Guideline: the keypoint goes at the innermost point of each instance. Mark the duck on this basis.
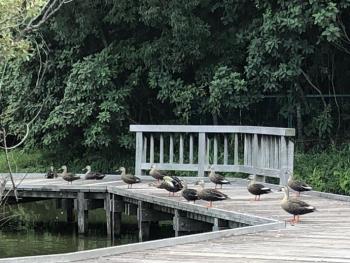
(69, 177)
(189, 194)
(257, 189)
(170, 183)
(298, 186)
(51, 173)
(295, 206)
(155, 173)
(217, 178)
(92, 175)
(129, 179)
(210, 195)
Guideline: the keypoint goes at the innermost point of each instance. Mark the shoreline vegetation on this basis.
(327, 170)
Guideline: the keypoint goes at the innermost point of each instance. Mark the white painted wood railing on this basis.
(264, 151)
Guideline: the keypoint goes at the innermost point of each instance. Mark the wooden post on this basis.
(220, 224)
(161, 149)
(284, 161)
(290, 157)
(117, 207)
(181, 149)
(201, 153)
(191, 149)
(151, 149)
(208, 151)
(225, 150)
(171, 149)
(82, 214)
(138, 154)
(236, 150)
(215, 161)
(108, 214)
(144, 226)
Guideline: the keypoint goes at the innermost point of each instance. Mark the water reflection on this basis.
(41, 229)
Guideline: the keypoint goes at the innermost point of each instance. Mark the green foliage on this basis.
(112, 63)
(328, 171)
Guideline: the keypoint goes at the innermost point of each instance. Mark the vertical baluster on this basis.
(171, 149)
(267, 152)
(255, 150)
(138, 153)
(283, 160)
(245, 149)
(181, 150)
(225, 150)
(151, 149)
(201, 153)
(276, 152)
(236, 150)
(191, 149)
(250, 149)
(144, 155)
(208, 151)
(215, 149)
(290, 156)
(161, 149)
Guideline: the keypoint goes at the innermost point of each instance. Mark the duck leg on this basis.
(210, 204)
(258, 197)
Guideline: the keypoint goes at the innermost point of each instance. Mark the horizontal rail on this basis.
(214, 129)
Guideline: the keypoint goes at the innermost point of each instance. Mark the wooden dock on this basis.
(323, 236)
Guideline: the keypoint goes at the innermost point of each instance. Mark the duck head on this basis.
(87, 168)
(121, 169)
(200, 183)
(64, 168)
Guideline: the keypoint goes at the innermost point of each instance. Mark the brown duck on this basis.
(210, 195)
(257, 189)
(155, 173)
(129, 179)
(295, 206)
(89, 175)
(69, 177)
(217, 178)
(298, 186)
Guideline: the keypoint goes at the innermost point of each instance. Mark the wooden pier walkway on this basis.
(323, 236)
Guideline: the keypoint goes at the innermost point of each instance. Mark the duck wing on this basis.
(190, 194)
(299, 186)
(258, 189)
(212, 195)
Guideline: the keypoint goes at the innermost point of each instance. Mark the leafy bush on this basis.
(328, 171)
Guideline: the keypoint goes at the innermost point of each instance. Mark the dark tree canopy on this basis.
(113, 63)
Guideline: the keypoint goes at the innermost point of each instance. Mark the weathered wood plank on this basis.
(215, 160)
(191, 149)
(181, 149)
(171, 149)
(225, 149)
(161, 148)
(151, 149)
(213, 129)
(236, 150)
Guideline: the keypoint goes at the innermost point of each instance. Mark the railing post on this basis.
(235, 154)
(290, 156)
(283, 161)
(201, 153)
(138, 154)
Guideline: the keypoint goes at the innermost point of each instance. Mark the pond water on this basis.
(38, 228)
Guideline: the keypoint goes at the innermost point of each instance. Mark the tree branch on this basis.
(313, 86)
